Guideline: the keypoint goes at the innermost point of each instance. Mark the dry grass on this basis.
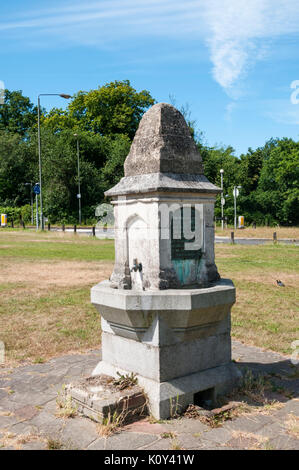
(10, 439)
(64, 404)
(292, 425)
(45, 305)
(45, 282)
(111, 424)
(248, 440)
(264, 315)
(261, 232)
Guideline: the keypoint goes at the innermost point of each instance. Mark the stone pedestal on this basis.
(176, 341)
(165, 312)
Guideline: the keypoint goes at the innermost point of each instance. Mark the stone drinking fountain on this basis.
(165, 311)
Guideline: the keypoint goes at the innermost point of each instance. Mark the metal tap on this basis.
(136, 266)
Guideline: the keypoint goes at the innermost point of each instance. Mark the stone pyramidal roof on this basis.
(163, 157)
(163, 143)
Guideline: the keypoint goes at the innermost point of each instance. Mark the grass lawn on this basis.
(264, 315)
(45, 282)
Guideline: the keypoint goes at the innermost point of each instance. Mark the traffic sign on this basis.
(36, 189)
(235, 192)
(222, 201)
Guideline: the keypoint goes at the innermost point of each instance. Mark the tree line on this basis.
(105, 121)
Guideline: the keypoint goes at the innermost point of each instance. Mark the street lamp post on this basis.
(222, 199)
(236, 194)
(79, 188)
(39, 149)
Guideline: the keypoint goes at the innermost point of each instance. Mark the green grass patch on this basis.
(259, 258)
(49, 246)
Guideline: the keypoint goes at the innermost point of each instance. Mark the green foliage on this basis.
(114, 108)
(17, 214)
(269, 177)
(17, 114)
(125, 381)
(105, 121)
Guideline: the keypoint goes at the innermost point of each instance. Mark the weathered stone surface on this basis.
(163, 173)
(97, 397)
(250, 423)
(165, 182)
(129, 440)
(163, 143)
(218, 435)
(79, 433)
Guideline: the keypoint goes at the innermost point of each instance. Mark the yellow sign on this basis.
(3, 220)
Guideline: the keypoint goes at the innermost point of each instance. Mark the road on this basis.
(109, 233)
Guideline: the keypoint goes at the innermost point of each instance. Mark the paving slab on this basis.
(35, 445)
(182, 425)
(145, 427)
(124, 441)
(218, 435)
(33, 408)
(79, 433)
(188, 440)
(284, 442)
(249, 423)
(159, 444)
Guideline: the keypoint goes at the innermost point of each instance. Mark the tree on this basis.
(114, 108)
(17, 161)
(113, 169)
(17, 115)
(278, 188)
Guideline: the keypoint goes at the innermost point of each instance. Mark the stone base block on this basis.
(97, 397)
(177, 342)
(167, 399)
(167, 362)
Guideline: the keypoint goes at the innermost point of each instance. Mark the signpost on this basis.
(36, 190)
(236, 194)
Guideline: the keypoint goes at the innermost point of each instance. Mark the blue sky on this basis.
(232, 61)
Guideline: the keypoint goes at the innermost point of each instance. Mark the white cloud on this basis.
(236, 32)
(240, 32)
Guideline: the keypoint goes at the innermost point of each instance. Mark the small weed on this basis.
(66, 409)
(268, 446)
(54, 444)
(125, 381)
(254, 386)
(111, 424)
(175, 445)
(174, 407)
(168, 435)
(39, 360)
(153, 420)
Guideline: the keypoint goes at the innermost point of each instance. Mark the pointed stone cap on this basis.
(163, 144)
(163, 157)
